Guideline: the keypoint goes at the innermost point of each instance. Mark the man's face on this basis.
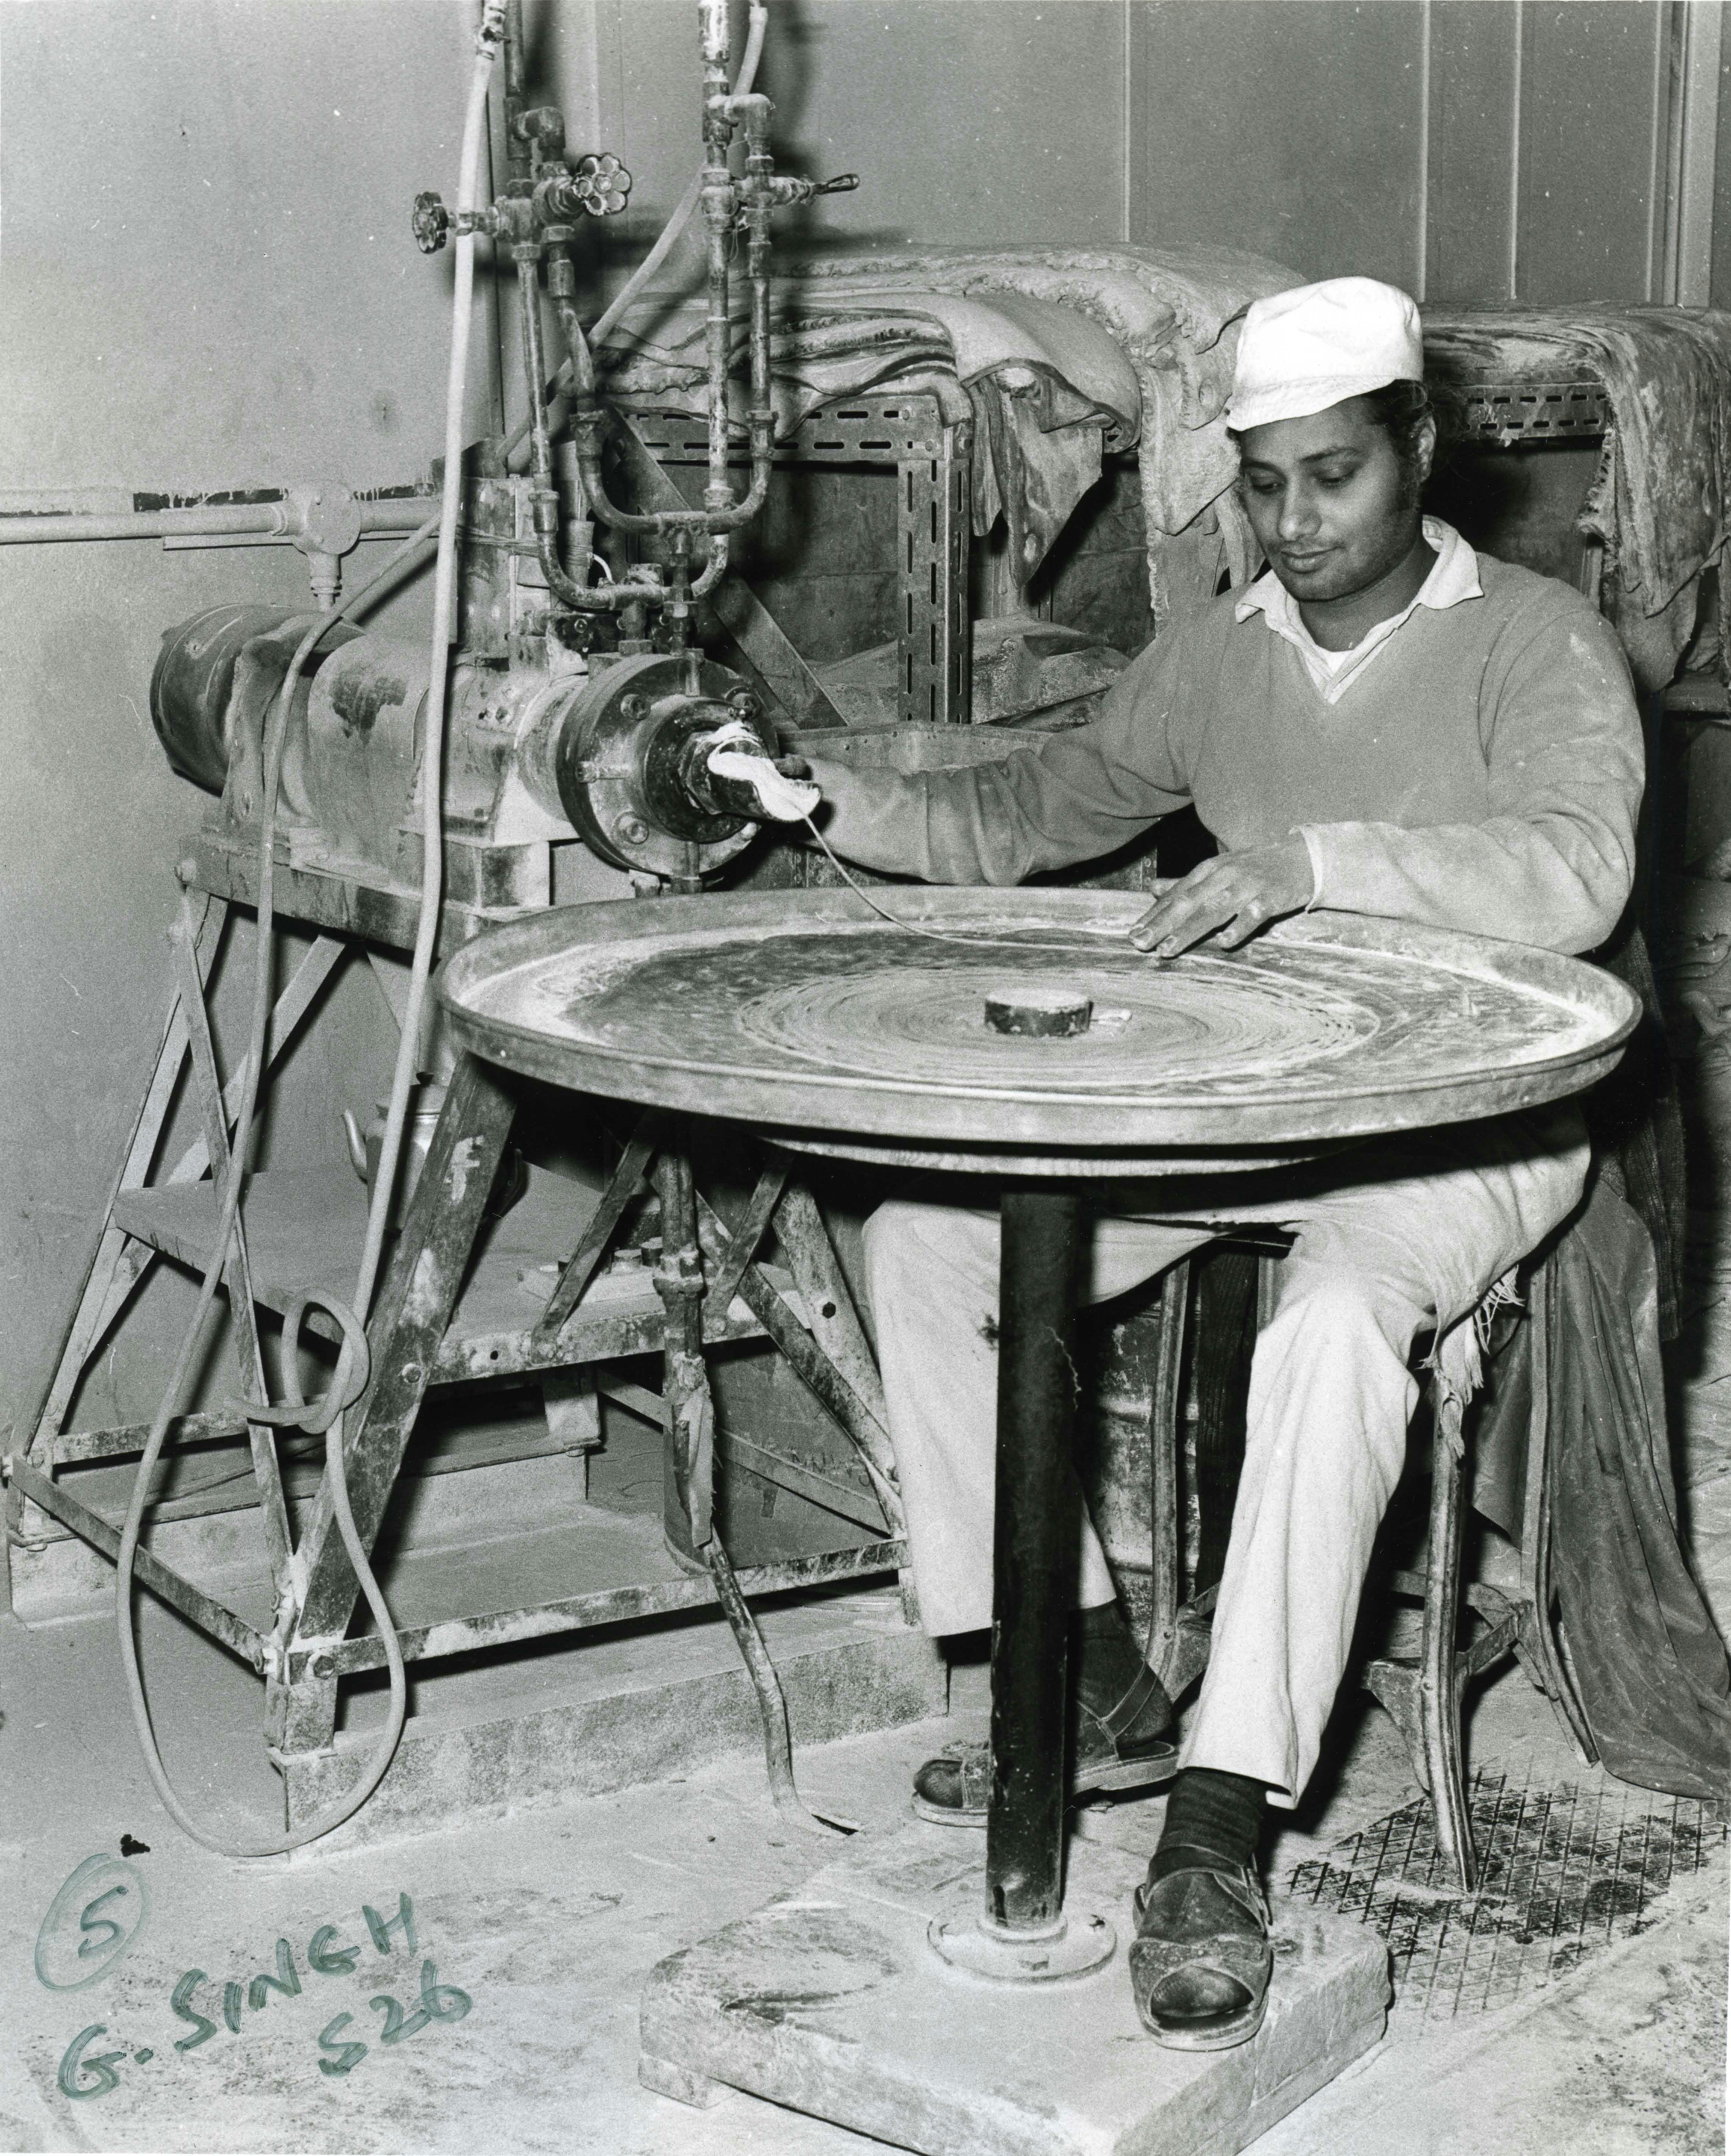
(1333, 506)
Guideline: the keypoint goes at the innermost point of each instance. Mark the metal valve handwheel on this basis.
(604, 186)
(430, 222)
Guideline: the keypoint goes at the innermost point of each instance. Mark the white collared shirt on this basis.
(1453, 577)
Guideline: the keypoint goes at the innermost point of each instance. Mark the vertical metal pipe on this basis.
(718, 328)
(718, 212)
(516, 150)
(1036, 1547)
(528, 263)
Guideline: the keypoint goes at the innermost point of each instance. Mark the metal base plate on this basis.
(1084, 1942)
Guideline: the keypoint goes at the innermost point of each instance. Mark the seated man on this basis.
(1383, 723)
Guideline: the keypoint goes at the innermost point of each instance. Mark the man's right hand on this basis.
(1232, 898)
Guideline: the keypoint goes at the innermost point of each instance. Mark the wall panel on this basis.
(1292, 128)
(1593, 108)
(1474, 108)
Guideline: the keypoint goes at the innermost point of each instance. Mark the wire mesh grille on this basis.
(1563, 1872)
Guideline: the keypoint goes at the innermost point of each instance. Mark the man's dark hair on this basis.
(1400, 408)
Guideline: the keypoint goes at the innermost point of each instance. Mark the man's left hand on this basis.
(1231, 897)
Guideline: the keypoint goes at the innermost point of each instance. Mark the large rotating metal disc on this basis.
(803, 1013)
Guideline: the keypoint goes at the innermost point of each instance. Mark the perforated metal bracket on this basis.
(934, 674)
(1509, 413)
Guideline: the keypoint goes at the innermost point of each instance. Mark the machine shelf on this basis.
(304, 1228)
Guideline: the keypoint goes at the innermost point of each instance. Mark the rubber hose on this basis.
(486, 49)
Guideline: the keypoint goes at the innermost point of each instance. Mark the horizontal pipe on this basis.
(267, 519)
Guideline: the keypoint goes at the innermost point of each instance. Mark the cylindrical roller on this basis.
(192, 682)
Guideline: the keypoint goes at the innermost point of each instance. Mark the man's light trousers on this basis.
(1410, 1244)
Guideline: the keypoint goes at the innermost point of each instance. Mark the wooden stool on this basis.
(1423, 1695)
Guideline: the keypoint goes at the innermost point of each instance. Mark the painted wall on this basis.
(1474, 150)
(206, 281)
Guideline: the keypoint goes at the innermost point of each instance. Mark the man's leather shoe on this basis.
(1124, 1748)
(1201, 1959)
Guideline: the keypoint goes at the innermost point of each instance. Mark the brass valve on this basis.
(596, 186)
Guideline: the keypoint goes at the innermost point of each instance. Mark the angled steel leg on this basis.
(93, 1312)
(409, 1319)
(1424, 1698)
(1174, 1650)
(114, 1262)
(242, 1310)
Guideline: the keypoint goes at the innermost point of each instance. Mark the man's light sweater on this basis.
(1484, 773)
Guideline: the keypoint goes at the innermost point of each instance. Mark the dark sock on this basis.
(1107, 1660)
(1208, 1809)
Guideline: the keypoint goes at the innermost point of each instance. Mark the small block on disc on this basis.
(1047, 1010)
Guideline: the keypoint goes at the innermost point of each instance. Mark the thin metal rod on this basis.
(753, 1225)
(580, 1269)
(325, 955)
(690, 1434)
(575, 1613)
(1036, 1536)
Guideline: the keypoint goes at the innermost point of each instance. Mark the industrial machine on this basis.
(566, 737)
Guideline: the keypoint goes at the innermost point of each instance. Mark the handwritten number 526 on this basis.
(439, 2002)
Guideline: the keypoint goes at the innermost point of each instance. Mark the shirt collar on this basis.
(1453, 578)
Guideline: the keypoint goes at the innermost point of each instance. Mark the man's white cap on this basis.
(1300, 351)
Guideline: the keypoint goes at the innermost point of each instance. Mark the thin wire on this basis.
(941, 935)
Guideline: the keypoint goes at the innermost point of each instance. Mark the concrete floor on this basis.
(547, 1921)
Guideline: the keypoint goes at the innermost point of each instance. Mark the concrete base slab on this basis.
(647, 1705)
(832, 2002)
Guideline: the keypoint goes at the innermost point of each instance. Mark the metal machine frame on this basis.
(441, 1317)
(438, 1321)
